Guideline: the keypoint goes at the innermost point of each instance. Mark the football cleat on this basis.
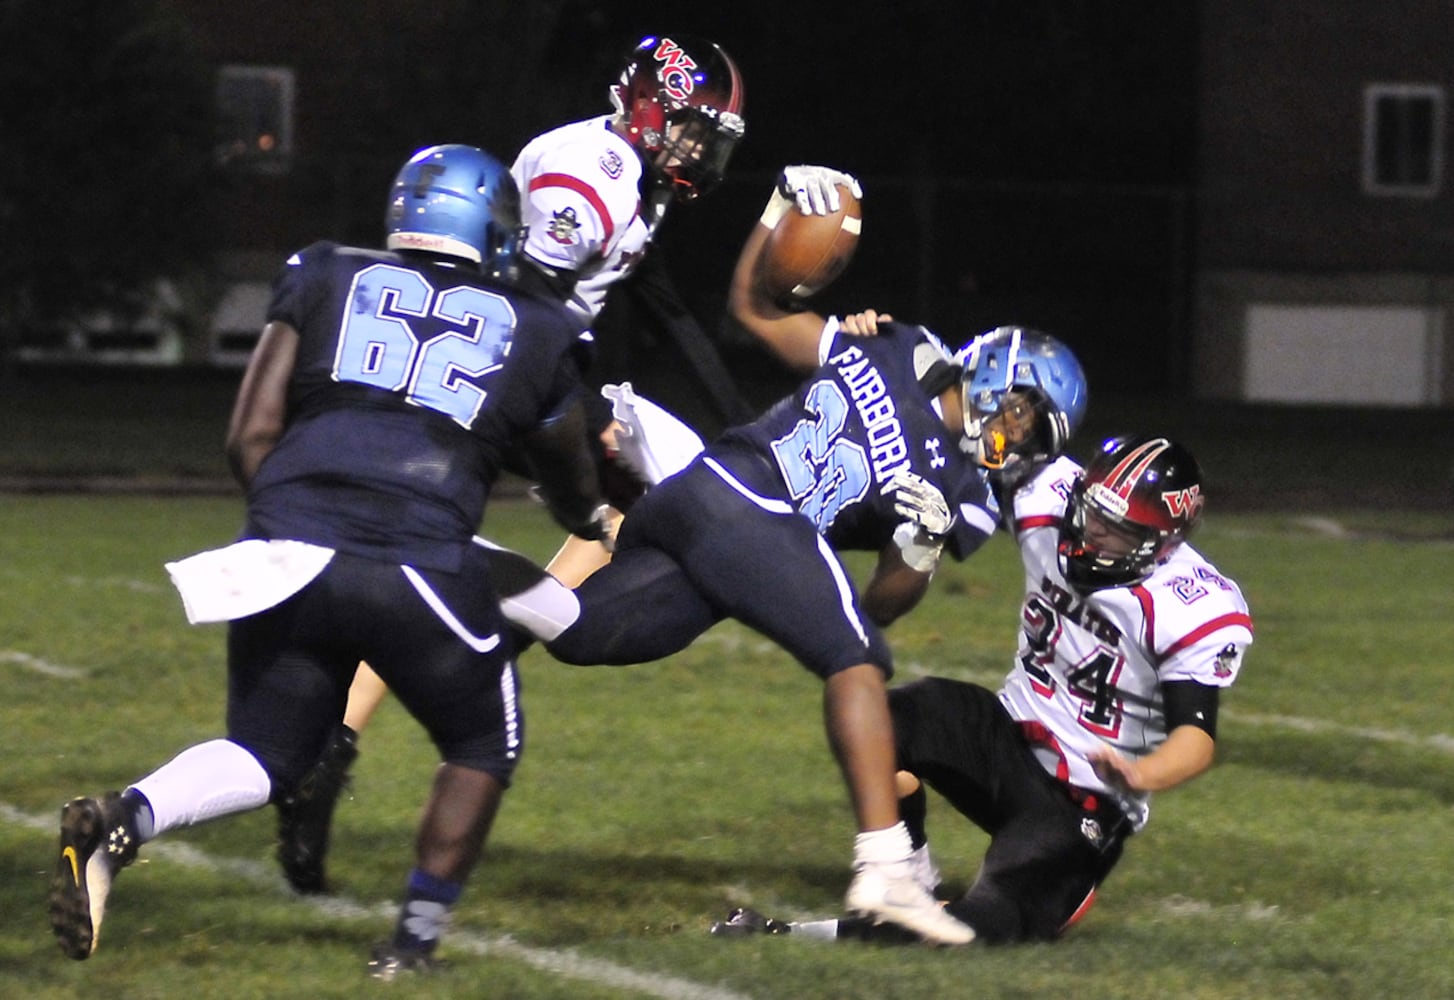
(889, 893)
(742, 921)
(97, 841)
(306, 816)
(389, 961)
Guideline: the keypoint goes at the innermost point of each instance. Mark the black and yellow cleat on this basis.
(97, 841)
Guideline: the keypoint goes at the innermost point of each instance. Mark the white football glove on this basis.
(652, 442)
(919, 549)
(922, 503)
(815, 189)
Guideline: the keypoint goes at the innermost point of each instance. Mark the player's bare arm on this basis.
(566, 473)
(895, 587)
(1187, 752)
(792, 336)
(260, 408)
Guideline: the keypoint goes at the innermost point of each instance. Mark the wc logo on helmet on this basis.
(676, 70)
(1183, 503)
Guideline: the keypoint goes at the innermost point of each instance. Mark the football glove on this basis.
(922, 503)
(814, 190)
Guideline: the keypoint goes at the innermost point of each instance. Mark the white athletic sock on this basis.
(882, 847)
(818, 930)
(545, 610)
(205, 781)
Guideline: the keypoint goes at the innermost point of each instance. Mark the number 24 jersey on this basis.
(1090, 665)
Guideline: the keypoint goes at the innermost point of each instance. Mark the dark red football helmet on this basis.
(1136, 501)
(679, 103)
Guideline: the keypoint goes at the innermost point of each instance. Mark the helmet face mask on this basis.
(1023, 394)
(679, 103)
(456, 201)
(1010, 428)
(1134, 504)
(695, 150)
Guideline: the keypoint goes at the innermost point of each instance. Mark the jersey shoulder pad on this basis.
(592, 162)
(1195, 604)
(1040, 501)
(315, 251)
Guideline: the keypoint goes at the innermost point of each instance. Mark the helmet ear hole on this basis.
(647, 123)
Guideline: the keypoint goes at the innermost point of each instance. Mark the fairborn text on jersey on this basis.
(888, 452)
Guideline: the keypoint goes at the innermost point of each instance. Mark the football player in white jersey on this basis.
(596, 190)
(1127, 637)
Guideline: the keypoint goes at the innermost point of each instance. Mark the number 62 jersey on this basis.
(411, 381)
(1090, 665)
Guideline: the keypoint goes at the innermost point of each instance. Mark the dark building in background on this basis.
(1324, 216)
(1222, 199)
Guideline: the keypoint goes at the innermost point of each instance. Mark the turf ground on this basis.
(1314, 861)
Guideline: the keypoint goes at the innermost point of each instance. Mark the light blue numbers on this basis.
(376, 345)
(823, 471)
(379, 342)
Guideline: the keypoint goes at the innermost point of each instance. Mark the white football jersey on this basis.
(1090, 666)
(580, 196)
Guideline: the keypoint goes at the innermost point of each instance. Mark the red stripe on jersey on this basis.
(1148, 615)
(1036, 732)
(1037, 521)
(583, 189)
(1206, 629)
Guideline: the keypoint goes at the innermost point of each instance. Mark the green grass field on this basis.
(1314, 861)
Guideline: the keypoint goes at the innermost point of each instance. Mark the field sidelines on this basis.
(565, 963)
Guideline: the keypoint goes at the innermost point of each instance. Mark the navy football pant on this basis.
(693, 551)
(437, 641)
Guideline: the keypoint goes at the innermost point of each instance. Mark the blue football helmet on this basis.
(458, 201)
(1019, 376)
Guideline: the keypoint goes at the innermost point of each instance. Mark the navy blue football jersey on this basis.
(412, 379)
(833, 448)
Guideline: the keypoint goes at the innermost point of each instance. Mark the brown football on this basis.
(804, 253)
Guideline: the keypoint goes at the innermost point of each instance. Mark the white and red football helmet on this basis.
(679, 103)
(1134, 503)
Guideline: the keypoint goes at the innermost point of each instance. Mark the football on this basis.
(804, 253)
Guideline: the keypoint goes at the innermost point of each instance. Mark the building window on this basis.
(255, 111)
(1403, 139)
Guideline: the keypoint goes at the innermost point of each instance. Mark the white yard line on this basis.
(563, 962)
(1441, 742)
(34, 663)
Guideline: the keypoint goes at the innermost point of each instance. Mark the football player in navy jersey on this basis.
(368, 430)
(593, 194)
(884, 447)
